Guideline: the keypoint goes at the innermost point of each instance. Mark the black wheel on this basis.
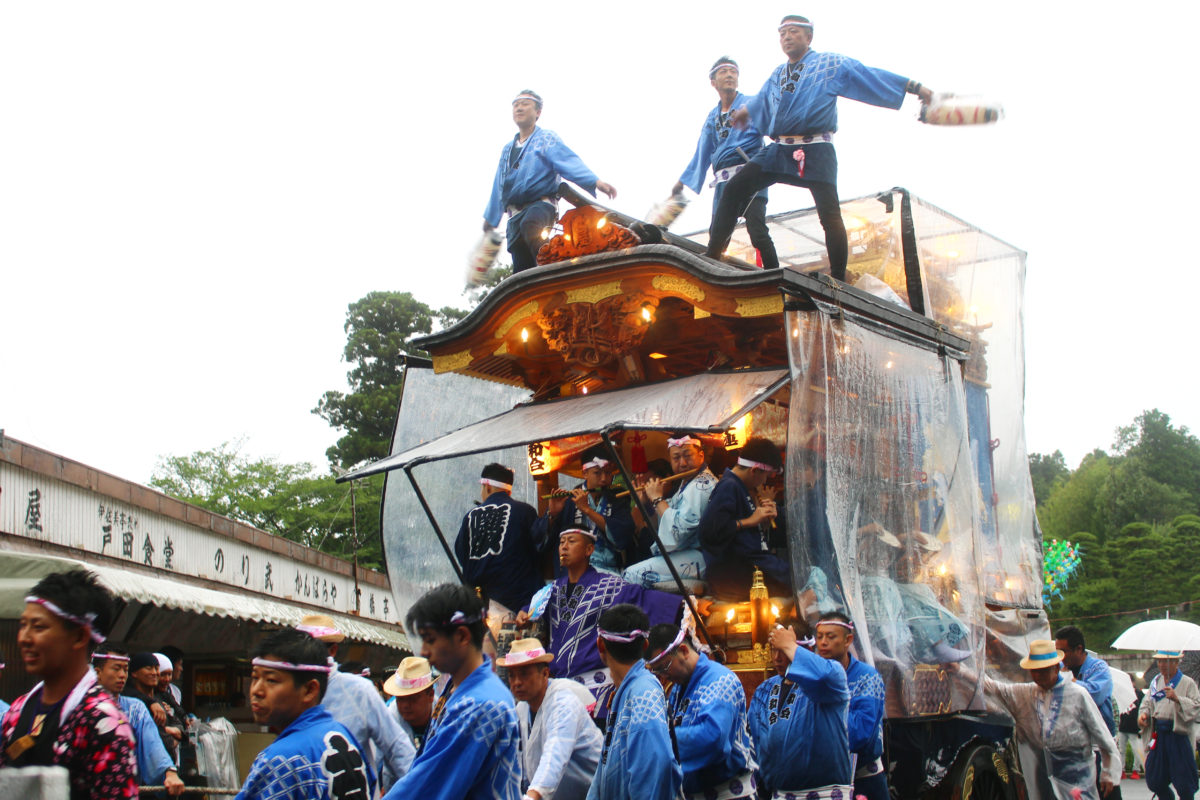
(981, 772)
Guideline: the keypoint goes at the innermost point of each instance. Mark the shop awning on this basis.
(711, 401)
(20, 571)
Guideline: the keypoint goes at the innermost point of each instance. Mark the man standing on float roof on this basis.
(721, 146)
(797, 108)
(526, 185)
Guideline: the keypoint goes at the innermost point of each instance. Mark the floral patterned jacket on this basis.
(94, 742)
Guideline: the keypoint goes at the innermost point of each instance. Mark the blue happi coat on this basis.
(496, 549)
(543, 163)
(152, 758)
(637, 762)
(1095, 677)
(760, 711)
(314, 758)
(708, 717)
(729, 553)
(353, 701)
(864, 723)
(801, 99)
(718, 144)
(471, 750)
(804, 744)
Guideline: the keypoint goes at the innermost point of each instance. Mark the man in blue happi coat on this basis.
(726, 149)
(496, 548)
(864, 722)
(760, 701)
(706, 709)
(526, 184)
(637, 761)
(805, 749)
(594, 507)
(736, 531)
(471, 751)
(314, 757)
(578, 599)
(155, 767)
(797, 108)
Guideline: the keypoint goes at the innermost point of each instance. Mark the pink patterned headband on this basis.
(745, 462)
(495, 484)
(683, 440)
(624, 638)
(847, 625)
(317, 631)
(287, 666)
(108, 657)
(88, 620)
(675, 643)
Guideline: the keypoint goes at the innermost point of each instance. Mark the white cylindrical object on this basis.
(666, 212)
(483, 257)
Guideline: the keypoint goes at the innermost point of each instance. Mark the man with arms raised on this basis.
(726, 148)
(155, 767)
(577, 600)
(637, 761)
(864, 723)
(471, 749)
(560, 744)
(797, 108)
(706, 711)
(69, 720)
(526, 184)
(678, 517)
(314, 757)
(353, 701)
(804, 750)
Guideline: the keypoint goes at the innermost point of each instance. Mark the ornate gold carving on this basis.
(451, 362)
(699, 313)
(586, 231)
(759, 306)
(673, 284)
(502, 350)
(595, 293)
(529, 309)
(595, 334)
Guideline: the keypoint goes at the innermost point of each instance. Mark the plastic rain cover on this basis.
(431, 406)
(885, 504)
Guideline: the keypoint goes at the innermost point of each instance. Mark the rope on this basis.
(200, 789)
(1127, 613)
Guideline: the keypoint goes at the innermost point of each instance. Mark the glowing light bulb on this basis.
(600, 223)
(774, 610)
(545, 233)
(888, 365)
(524, 334)
(730, 614)
(585, 390)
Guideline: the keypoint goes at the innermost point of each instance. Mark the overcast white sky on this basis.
(192, 193)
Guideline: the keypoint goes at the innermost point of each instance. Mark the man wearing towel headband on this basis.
(736, 531)
(706, 711)
(797, 108)
(496, 549)
(526, 184)
(155, 767)
(69, 720)
(864, 721)
(592, 507)
(726, 148)
(637, 761)
(314, 757)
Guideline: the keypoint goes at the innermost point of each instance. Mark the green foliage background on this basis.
(1136, 514)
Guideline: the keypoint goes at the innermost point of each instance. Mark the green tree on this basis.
(288, 500)
(1048, 472)
(1072, 507)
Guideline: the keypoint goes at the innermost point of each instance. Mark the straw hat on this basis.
(412, 676)
(321, 628)
(526, 651)
(1168, 653)
(1042, 654)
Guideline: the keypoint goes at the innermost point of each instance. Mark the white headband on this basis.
(632, 636)
(683, 629)
(682, 440)
(527, 97)
(596, 462)
(287, 666)
(847, 625)
(745, 462)
(497, 484)
(712, 72)
(106, 657)
(791, 23)
(590, 534)
(88, 620)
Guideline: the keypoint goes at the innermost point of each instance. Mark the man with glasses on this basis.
(706, 711)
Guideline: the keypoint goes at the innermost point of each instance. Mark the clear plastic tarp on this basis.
(697, 402)
(432, 405)
(884, 506)
(974, 284)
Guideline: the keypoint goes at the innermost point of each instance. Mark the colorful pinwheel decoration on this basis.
(1060, 562)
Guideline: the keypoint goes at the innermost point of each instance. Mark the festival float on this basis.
(897, 396)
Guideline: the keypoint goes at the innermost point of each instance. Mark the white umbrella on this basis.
(1169, 634)
(1123, 692)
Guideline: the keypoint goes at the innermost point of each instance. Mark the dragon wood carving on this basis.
(595, 334)
(586, 231)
